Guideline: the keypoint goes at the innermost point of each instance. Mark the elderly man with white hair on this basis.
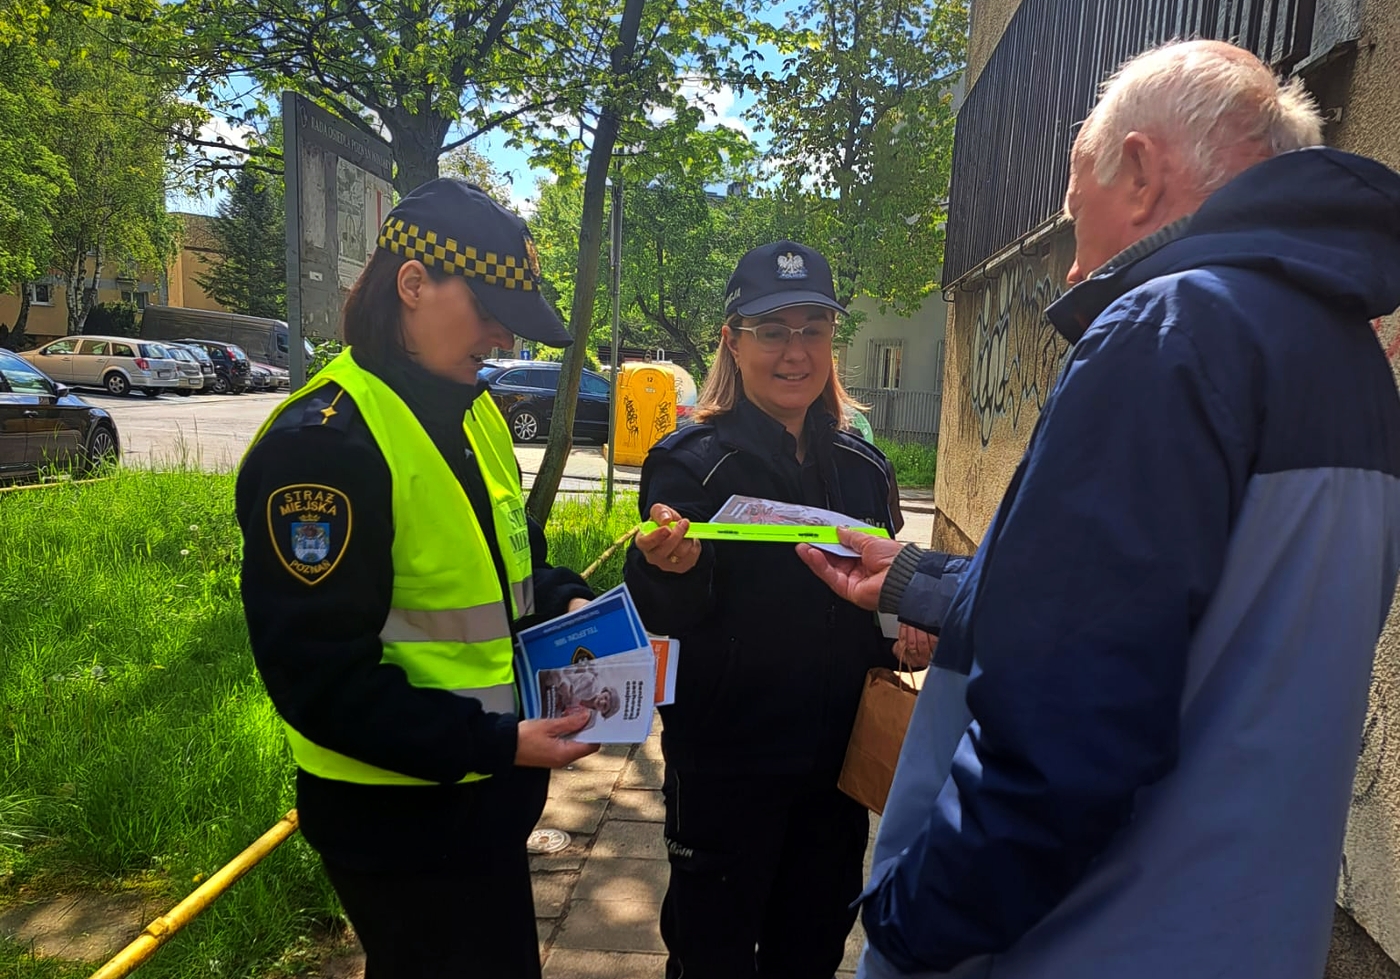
(1134, 756)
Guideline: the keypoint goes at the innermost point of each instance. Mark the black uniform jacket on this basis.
(772, 663)
(315, 637)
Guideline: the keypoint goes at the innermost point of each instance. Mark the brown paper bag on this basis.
(878, 734)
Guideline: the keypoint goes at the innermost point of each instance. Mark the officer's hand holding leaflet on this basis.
(856, 579)
(541, 744)
(667, 547)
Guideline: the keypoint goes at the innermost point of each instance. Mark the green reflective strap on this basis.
(767, 533)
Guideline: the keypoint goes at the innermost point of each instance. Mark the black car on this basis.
(524, 390)
(43, 426)
(231, 365)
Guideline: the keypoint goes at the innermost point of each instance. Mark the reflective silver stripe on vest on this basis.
(479, 623)
(524, 594)
(499, 699)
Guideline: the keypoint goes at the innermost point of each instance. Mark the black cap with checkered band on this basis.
(457, 228)
(772, 277)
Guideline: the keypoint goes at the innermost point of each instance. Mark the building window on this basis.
(139, 298)
(40, 294)
(884, 363)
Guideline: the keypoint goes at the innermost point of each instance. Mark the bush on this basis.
(113, 320)
(323, 351)
(915, 464)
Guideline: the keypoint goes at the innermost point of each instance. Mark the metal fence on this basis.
(1011, 155)
(905, 416)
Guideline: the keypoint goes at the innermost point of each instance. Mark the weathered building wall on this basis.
(1002, 359)
(1367, 91)
(987, 20)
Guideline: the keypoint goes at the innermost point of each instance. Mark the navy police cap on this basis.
(779, 275)
(457, 228)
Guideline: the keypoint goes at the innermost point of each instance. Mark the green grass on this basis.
(138, 749)
(914, 463)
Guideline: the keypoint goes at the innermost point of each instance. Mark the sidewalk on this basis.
(598, 901)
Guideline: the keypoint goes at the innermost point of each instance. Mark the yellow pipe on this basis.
(129, 959)
(588, 571)
(60, 482)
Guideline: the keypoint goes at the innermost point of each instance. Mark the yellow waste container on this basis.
(646, 410)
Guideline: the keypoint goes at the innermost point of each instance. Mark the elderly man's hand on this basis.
(856, 579)
(914, 647)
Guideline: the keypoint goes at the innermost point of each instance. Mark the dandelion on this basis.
(196, 879)
(184, 552)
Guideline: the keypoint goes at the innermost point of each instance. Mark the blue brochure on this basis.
(597, 659)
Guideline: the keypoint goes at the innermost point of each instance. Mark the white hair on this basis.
(1209, 99)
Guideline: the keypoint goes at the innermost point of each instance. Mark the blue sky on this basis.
(725, 107)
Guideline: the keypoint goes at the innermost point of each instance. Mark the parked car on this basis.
(201, 356)
(191, 376)
(258, 379)
(44, 425)
(231, 364)
(118, 364)
(524, 391)
(281, 378)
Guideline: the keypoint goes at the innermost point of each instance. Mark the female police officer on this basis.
(772, 667)
(387, 561)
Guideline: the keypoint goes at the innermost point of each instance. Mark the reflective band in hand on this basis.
(767, 533)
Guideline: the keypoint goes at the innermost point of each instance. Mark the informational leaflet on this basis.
(775, 513)
(597, 659)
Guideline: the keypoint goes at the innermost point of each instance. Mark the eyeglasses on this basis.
(775, 336)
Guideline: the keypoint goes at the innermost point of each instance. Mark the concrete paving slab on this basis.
(629, 840)
(855, 941)
(583, 785)
(643, 805)
(570, 859)
(569, 963)
(610, 758)
(612, 926)
(552, 893)
(623, 879)
(643, 773)
(579, 817)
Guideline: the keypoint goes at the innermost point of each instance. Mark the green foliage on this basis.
(113, 320)
(91, 112)
(915, 464)
(420, 68)
(862, 132)
(466, 163)
(137, 746)
(323, 351)
(250, 276)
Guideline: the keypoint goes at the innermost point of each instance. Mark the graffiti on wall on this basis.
(1016, 353)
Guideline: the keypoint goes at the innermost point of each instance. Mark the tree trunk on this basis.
(15, 341)
(417, 142)
(556, 455)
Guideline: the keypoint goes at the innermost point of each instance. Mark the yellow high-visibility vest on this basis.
(449, 623)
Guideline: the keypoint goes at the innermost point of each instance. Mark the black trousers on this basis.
(763, 872)
(448, 925)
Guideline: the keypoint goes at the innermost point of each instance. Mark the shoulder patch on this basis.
(326, 407)
(310, 526)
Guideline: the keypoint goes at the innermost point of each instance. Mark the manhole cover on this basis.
(547, 841)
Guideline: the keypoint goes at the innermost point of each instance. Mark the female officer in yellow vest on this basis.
(387, 561)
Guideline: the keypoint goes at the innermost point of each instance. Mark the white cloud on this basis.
(717, 103)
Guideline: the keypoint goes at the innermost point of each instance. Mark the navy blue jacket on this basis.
(1136, 758)
(772, 664)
